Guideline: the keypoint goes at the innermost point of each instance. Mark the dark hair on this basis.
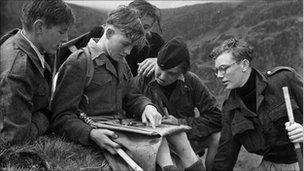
(52, 12)
(127, 20)
(239, 48)
(145, 8)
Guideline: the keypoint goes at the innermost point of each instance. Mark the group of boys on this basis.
(254, 113)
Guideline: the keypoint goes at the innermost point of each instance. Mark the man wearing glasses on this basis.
(254, 114)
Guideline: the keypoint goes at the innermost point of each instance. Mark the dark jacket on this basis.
(262, 132)
(24, 90)
(189, 93)
(108, 94)
(155, 42)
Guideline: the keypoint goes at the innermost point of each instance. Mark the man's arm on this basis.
(139, 105)
(68, 94)
(134, 100)
(17, 122)
(296, 88)
(295, 131)
(146, 68)
(208, 109)
(228, 149)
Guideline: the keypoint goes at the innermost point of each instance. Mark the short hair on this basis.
(52, 12)
(127, 21)
(145, 8)
(239, 48)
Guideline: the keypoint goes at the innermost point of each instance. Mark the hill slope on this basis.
(274, 29)
(86, 18)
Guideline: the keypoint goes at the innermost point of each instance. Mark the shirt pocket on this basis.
(245, 132)
(101, 79)
(100, 90)
(241, 126)
(278, 114)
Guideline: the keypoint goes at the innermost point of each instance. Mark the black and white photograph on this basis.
(151, 85)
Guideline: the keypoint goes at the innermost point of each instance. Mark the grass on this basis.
(58, 153)
(245, 162)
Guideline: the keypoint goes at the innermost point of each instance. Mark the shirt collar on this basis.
(180, 78)
(40, 56)
(95, 50)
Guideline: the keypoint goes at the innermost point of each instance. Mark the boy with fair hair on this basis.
(109, 92)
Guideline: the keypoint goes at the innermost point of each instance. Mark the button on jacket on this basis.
(189, 93)
(24, 90)
(108, 93)
(262, 132)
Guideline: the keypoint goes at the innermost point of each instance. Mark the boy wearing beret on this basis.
(181, 95)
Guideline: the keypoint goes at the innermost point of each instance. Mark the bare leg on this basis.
(182, 147)
(163, 157)
(212, 141)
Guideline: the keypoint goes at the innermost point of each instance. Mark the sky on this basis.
(159, 3)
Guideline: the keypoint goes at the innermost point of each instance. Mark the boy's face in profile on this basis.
(168, 76)
(51, 38)
(118, 45)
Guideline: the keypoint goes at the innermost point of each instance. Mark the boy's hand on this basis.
(171, 120)
(152, 116)
(147, 67)
(295, 132)
(102, 137)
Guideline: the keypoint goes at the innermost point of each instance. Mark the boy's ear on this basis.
(109, 33)
(38, 26)
(246, 64)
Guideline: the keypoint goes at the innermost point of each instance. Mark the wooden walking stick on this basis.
(291, 120)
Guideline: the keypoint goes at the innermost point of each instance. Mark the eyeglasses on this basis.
(222, 69)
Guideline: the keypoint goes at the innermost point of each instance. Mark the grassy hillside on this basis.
(274, 28)
(86, 18)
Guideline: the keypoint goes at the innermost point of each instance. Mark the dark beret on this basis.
(173, 53)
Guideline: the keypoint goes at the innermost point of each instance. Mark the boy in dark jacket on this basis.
(181, 94)
(26, 69)
(255, 114)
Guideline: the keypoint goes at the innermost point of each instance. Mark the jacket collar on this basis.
(261, 83)
(180, 78)
(23, 44)
(181, 87)
(95, 50)
(234, 101)
(40, 56)
(100, 57)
